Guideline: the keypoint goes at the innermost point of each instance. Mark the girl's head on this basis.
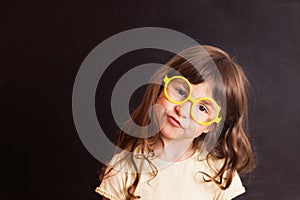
(210, 72)
(212, 75)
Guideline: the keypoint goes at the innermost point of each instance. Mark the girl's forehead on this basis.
(201, 90)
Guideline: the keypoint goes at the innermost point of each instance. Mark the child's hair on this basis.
(232, 145)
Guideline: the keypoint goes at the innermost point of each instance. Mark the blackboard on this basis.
(43, 44)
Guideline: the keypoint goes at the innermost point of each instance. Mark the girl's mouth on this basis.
(173, 121)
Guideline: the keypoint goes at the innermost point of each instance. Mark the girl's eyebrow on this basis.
(208, 103)
(186, 87)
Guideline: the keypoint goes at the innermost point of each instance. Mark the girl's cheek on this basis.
(164, 104)
(194, 129)
(160, 116)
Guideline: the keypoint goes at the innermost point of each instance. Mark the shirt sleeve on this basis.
(235, 189)
(113, 185)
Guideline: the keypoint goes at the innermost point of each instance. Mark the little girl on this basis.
(201, 146)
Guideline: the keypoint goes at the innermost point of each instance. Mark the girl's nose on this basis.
(183, 110)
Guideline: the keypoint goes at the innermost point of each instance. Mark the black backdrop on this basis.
(43, 44)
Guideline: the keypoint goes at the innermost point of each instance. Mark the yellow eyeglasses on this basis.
(204, 110)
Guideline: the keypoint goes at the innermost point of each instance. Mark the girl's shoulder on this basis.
(129, 162)
(119, 161)
(208, 163)
(235, 188)
(214, 163)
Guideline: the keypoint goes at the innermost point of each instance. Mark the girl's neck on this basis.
(174, 150)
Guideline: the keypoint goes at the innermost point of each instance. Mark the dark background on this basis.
(43, 44)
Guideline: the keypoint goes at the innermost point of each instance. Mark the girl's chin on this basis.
(170, 131)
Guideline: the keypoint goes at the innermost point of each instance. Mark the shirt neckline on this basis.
(164, 162)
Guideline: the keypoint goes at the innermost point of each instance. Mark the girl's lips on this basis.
(173, 121)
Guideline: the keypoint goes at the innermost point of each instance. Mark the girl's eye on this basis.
(181, 92)
(203, 108)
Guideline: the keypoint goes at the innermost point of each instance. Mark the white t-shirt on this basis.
(176, 180)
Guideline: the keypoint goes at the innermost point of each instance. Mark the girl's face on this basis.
(175, 120)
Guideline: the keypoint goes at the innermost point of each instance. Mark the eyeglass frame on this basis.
(167, 80)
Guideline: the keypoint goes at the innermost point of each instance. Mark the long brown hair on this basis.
(232, 145)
